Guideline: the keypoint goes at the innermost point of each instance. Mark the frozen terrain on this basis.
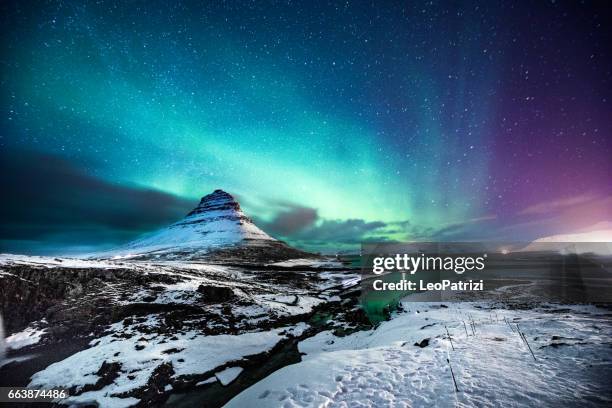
(406, 362)
(134, 358)
(121, 333)
(24, 338)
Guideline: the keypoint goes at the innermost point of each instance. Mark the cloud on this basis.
(567, 215)
(345, 231)
(556, 205)
(48, 201)
(339, 235)
(299, 224)
(292, 220)
(474, 228)
(575, 217)
(304, 228)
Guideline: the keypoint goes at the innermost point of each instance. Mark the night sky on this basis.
(332, 122)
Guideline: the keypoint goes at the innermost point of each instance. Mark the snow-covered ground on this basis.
(53, 262)
(27, 337)
(228, 375)
(492, 365)
(197, 324)
(138, 355)
(180, 324)
(311, 263)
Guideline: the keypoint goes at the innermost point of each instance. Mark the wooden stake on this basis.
(524, 338)
(449, 338)
(518, 330)
(509, 325)
(453, 374)
(529, 347)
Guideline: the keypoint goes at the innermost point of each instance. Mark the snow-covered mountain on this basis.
(597, 241)
(216, 227)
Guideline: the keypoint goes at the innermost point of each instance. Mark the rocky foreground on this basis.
(141, 334)
(290, 333)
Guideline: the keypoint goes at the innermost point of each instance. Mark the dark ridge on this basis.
(216, 201)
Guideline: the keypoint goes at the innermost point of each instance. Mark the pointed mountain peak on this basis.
(217, 223)
(217, 227)
(218, 200)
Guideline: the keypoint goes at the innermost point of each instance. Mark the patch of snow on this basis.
(298, 329)
(207, 381)
(51, 262)
(280, 304)
(228, 375)
(102, 398)
(24, 338)
(311, 263)
(336, 279)
(164, 266)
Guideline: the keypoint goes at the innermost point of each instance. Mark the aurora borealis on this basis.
(333, 122)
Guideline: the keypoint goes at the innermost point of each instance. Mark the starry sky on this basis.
(333, 123)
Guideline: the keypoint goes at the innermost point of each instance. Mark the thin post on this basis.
(529, 347)
(453, 374)
(449, 338)
(465, 327)
(518, 330)
(524, 338)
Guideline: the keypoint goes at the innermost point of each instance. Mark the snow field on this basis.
(492, 367)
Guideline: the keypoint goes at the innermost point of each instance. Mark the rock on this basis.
(149, 298)
(423, 343)
(58, 331)
(108, 372)
(172, 350)
(357, 316)
(155, 390)
(216, 293)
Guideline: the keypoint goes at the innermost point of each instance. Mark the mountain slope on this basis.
(216, 228)
(597, 241)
